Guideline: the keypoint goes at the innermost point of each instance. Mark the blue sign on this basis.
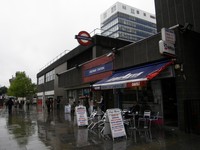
(98, 69)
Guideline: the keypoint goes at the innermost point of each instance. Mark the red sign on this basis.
(135, 84)
(84, 38)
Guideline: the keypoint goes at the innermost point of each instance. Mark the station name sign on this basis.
(99, 69)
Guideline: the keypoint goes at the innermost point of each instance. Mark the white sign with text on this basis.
(81, 116)
(116, 122)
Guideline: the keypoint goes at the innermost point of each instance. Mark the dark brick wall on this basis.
(187, 81)
(172, 12)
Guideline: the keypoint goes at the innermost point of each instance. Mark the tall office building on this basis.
(127, 23)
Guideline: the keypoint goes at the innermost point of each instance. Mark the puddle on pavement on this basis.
(36, 129)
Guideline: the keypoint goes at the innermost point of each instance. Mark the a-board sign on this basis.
(81, 116)
(116, 122)
(67, 108)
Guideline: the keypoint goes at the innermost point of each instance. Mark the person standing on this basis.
(101, 103)
(9, 104)
(87, 104)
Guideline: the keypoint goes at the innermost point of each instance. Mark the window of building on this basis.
(138, 12)
(153, 17)
(41, 80)
(113, 9)
(124, 7)
(144, 14)
(132, 11)
(50, 75)
(104, 15)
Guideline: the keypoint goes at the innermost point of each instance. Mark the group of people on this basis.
(16, 103)
(9, 105)
(137, 108)
(50, 104)
(90, 104)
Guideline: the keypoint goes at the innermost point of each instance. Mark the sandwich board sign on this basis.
(114, 123)
(81, 116)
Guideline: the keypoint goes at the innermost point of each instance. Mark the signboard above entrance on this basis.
(166, 45)
(168, 35)
(166, 48)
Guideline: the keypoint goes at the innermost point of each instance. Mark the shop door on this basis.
(108, 99)
(169, 102)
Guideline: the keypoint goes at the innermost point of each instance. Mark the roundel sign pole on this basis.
(83, 38)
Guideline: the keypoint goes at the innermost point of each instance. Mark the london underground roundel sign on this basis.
(84, 38)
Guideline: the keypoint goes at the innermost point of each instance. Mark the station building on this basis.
(143, 72)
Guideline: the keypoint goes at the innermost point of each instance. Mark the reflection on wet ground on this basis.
(35, 129)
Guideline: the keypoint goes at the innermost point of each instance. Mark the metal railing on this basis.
(55, 59)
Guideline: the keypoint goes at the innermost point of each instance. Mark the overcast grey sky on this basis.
(34, 32)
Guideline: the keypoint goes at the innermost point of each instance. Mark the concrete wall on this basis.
(138, 53)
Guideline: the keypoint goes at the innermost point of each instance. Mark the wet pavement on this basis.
(35, 129)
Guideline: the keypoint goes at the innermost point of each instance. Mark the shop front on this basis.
(144, 85)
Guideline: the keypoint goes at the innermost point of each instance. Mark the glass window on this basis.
(153, 17)
(104, 15)
(132, 11)
(124, 7)
(41, 80)
(113, 9)
(50, 75)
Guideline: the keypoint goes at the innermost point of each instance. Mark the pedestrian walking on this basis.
(51, 104)
(48, 103)
(58, 103)
(87, 103)
(28, 103)
(9, 104)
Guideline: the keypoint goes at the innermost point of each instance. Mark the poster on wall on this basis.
(81, 116)
(116, 123)
(157, 92)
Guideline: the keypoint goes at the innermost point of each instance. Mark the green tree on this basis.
(21, 86)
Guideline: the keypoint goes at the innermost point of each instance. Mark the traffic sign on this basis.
(84, 38)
